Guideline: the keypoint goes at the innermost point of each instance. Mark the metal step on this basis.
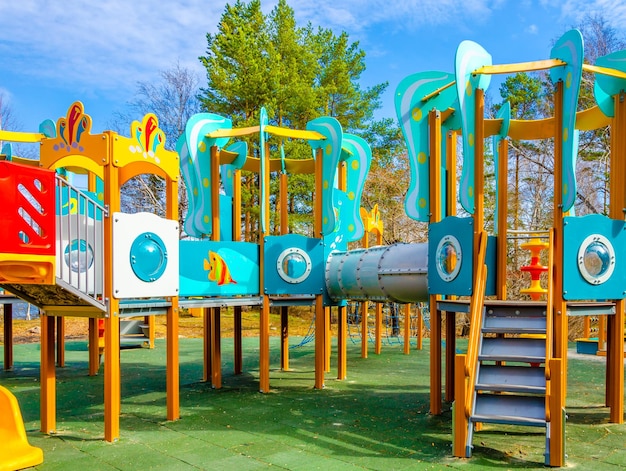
(516, 349)
(510, 409)
(514, 325)
(514, 379)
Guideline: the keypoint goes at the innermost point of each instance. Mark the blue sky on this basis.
(55, 52)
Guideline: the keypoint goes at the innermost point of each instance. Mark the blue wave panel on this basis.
(225, 269)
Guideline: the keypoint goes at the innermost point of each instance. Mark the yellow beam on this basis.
(604, 71)
(294, 133)
(233, 132)
(14, 136)
(519, 67)
(438, 91)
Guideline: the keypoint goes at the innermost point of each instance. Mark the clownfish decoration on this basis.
(218, 270)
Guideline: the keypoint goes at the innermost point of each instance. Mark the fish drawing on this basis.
(218, 270)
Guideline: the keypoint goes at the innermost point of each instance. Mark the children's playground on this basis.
(509, 393)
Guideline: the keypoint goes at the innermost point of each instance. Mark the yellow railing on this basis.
(476, 320)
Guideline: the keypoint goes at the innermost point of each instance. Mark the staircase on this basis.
(510, 378)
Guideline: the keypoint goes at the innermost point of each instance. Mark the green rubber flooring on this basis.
(377, 419)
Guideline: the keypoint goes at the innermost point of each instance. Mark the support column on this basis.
(450, 353)
(364, 328)
(60, 346)
(342, 336)
(172, 362)
(48, 375)
(94, 347)
(379, 328)
(112, 388)
(237, 341)
(284, 338)
(264, 347)
(216, 348)
(435, 357)
(206, 327)
(320, 351)
(327, 339)
(407, 329)
(8, 337)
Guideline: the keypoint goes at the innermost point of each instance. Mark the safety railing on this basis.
(549, 322)
(476, 321)
(79, 240)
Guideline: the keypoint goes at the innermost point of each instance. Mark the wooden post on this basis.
(237, 341)
(434, 123)
(342, 336)
(112, 377)
(407, 329)
(8, 337)
(615, 350)
(60, 325)
(48, 375)
(216, 348)
(207, 341)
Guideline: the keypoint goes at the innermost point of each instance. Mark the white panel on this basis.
(79, 252)
(129, 229)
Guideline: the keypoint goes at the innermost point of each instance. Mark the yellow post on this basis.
(557, 414)
(172, 361)
(264, 318)
(48, 376)
(459, 414)
(615, 350)
(379, 328)
(320, 330)
(150, 321)
(342, 335)
(407, 329)
(434, 122)
(327, 339)
(503, 200)
(112, 389)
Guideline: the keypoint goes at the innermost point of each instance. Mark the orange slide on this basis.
(15, 452)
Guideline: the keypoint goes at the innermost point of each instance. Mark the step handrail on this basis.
(549, 320)
(476, 307)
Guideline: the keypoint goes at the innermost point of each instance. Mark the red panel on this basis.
(27, 209)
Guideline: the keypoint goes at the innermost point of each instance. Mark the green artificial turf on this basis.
(376, 419)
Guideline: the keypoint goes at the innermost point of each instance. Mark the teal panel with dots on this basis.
(594, 258)
(451, 256)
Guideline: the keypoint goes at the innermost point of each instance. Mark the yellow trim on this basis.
(596, 69)
(519, 67)
(23, 161)
(123, 156)
(27, 268)
(14, 136)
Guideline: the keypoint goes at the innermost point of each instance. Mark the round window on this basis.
(448, 258)
(596, 259)
(293, 265)
(78, 256)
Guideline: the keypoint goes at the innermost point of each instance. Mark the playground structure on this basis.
(515, 367)
(74, 253)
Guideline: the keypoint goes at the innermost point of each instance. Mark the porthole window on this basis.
(596, 259)
(448, 258)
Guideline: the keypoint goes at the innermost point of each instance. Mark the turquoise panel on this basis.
(331, 147)
(576, 231)
(227, 171)
(357, 168)
(226, 218)
(194, 149)
(70, 201)
(218, 268)
(612, 85)
(569, 48)
(469, 57)
(460, 230)
(412, 115)
(264, 167)
(294, 264)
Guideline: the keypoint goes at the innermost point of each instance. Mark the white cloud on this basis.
(532, 29)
